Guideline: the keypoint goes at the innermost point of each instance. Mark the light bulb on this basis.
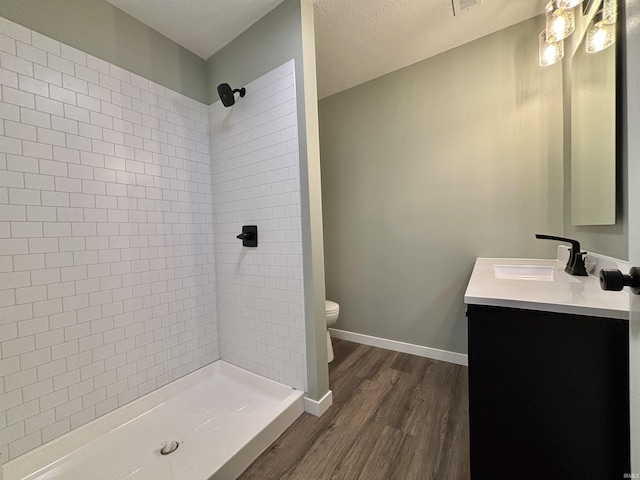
(557, 26)
(561, 22)
(549, 52)
(600, 36)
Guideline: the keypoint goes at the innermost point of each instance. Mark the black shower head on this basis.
(227, 95)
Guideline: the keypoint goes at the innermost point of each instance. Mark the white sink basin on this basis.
(540, 273)
(543, 285)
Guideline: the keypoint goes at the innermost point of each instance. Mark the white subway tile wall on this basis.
(107, 280)
(256, 181)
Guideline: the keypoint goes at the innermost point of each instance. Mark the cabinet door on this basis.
(548, 395)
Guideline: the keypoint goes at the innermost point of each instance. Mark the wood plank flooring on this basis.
(394, 417)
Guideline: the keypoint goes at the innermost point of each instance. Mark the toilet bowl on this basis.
(332, 310)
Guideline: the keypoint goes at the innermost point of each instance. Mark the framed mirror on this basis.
(593, 121)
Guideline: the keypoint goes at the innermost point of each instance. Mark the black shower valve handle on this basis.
(249, 236)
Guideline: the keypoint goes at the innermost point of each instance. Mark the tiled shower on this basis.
(256, 181)
(120, 201)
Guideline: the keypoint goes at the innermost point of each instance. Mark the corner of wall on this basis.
(110, 34)
(312, 230)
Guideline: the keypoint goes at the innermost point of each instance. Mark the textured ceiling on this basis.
(201, 26)
(356, 40)
(359, 40)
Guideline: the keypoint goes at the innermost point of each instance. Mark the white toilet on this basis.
(332, 310)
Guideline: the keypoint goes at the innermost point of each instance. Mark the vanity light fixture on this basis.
(549, 52)
(600, 35)
(561, 22)
(568, 3)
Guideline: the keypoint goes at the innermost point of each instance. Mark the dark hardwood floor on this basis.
(394, 416)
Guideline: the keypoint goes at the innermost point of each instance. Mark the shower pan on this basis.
(212, 424)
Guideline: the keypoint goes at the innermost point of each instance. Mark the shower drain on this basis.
(168, 447)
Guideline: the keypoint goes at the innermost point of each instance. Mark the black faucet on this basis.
(575, 265)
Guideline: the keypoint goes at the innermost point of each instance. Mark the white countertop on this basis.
(574, 295)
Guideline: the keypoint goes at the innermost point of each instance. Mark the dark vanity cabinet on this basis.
(548, 395)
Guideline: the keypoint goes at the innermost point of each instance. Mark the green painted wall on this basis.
(425, 169)
(99, 28)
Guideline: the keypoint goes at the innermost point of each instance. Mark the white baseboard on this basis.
(428, 352)
(318, 407)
